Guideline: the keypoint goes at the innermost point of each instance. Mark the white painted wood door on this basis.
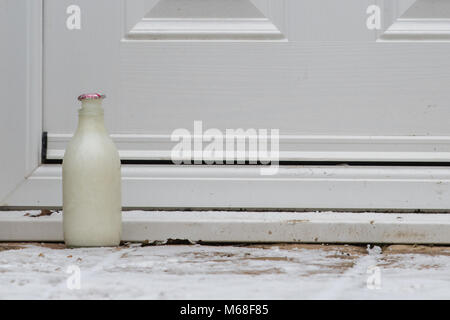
(339, 88)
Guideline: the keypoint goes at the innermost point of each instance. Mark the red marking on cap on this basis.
(91, 96)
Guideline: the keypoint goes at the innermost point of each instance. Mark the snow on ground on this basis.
(30, 271)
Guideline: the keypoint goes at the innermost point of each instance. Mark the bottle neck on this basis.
(90, 116)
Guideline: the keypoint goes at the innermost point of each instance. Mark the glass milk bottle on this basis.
(92, 211)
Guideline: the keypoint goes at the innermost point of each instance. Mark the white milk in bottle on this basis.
(92, 210)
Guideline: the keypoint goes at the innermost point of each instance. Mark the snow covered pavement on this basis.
(49, 271)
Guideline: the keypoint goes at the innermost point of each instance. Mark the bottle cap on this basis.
(91, 96)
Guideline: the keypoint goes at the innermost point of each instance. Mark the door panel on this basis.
(332, 90)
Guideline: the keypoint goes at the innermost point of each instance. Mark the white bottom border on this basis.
(363, 188)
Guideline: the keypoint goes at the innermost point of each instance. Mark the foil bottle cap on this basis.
(91, 96)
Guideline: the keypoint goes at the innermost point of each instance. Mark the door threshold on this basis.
(247, 227)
